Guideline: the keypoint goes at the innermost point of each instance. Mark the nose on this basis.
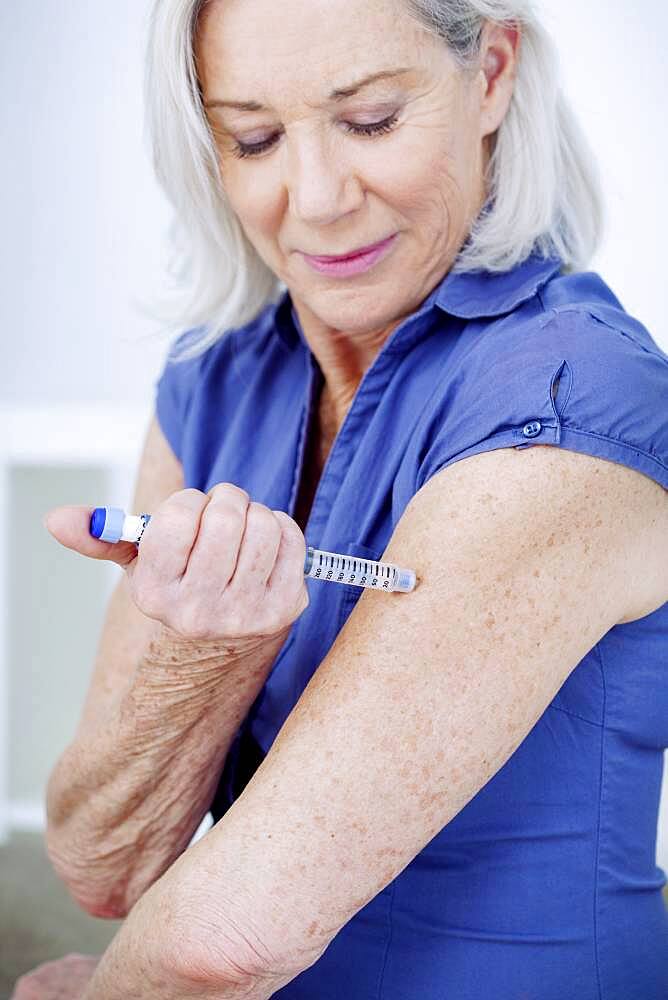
(322, 184)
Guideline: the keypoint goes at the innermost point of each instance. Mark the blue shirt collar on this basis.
(465, 294)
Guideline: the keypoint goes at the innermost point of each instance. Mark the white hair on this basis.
(543, 192)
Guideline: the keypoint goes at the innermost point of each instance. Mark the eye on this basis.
(242, 149)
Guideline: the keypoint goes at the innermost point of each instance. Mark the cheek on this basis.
(254, 195)
(433, 155)
(429, 187)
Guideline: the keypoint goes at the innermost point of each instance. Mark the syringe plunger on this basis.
(111, 524)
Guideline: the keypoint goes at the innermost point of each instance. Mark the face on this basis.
(311, 171)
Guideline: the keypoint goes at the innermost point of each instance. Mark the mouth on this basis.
(328, 258)
(354, 262)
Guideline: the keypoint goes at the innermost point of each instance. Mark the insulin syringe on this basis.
(111, 524)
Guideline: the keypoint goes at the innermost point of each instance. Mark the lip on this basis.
(355, 263)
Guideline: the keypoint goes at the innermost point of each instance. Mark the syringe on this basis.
(111, 524)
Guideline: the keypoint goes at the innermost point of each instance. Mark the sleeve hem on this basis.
(615, 450)
(573, 439)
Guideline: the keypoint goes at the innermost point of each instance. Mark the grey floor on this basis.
(39, 921)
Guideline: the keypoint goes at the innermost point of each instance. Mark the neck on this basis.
(343, 359)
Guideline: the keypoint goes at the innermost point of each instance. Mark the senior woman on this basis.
(392, 350)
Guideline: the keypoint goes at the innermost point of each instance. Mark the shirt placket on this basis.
(367, 395)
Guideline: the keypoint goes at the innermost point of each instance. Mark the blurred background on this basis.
(84, 252)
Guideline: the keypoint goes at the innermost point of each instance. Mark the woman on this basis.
(451, 792)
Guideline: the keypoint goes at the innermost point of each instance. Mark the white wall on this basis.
(82, 216)
(612, 55)
(84, 232)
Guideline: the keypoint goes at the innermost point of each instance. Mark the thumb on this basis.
(71, 527)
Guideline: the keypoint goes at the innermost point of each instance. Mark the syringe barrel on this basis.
(357, 571)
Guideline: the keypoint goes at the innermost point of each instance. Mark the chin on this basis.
(353, 311)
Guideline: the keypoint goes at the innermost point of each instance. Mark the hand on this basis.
(64, 979)
(210, 566)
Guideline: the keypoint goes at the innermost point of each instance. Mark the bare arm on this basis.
(126, 796)
(348, 793)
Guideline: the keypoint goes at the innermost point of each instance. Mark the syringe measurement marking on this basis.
(353, 570)
(330, 563)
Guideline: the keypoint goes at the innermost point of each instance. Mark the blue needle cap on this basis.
(106, 523)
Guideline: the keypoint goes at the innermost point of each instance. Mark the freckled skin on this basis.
(417, 759)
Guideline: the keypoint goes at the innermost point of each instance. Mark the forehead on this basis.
(254, 49)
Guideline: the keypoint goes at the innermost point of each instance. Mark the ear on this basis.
(499, 59)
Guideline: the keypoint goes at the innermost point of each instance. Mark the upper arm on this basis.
(522, 559)
(126, 631)
(647, 542)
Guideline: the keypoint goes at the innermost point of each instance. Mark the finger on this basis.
(259, 548)
(25, 990)
(287, 575)
(168, 539)
(70, 526)
(213, 558)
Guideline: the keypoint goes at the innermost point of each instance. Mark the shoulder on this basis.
(575, 315)
(608, 376)
(250, 339)
(242, 346)
(188, 388)
(569, 367)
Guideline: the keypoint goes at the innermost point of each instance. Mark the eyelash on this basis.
(243, 150)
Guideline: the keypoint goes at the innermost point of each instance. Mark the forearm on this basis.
(123, 801)
(120, 976)
(155, 954)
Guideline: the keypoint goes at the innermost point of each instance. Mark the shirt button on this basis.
(531, 429)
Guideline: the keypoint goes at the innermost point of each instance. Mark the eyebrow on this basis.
(336, 95)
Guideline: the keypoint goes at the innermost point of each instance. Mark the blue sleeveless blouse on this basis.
(545, 886)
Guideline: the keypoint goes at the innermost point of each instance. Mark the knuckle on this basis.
(284, 518)
(189, 492)
(263, 519)
(289, 527)
(184, 504)
(224, 518)
(186, 497)
(227, 489)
